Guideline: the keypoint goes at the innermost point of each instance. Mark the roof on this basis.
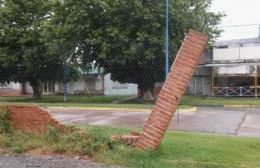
(237, 41)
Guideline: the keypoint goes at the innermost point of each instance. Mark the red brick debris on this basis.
(169, 98)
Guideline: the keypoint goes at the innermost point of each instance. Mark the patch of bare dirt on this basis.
(31, 119)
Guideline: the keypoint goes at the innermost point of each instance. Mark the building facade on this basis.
(233, 69)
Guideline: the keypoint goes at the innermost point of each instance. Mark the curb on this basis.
(192, 109)
(241, 106)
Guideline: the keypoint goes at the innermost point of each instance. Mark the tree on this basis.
(132, 48)
(126, 38)
(25, 55)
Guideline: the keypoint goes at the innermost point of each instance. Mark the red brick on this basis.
(173, 89)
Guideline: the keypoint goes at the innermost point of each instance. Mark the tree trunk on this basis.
(23, 91)
(37, 91)
(146, 95)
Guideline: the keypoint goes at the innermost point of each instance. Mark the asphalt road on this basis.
(28, 161)
(220, 120)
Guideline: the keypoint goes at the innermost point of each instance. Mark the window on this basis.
(222, 46)
(48, 88)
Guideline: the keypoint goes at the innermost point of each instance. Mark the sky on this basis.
(238, 12)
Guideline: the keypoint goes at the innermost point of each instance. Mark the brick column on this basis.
(174, 87)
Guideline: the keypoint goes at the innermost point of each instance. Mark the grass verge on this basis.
(68, 140)
(178, 149)
(218, 101)
(190, 150)
(80, 102)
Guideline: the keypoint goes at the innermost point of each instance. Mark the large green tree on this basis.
(126, 38)
(25, 55)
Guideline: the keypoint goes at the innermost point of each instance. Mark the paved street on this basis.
(235, 121)
(30, 161)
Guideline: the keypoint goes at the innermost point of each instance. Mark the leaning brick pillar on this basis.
(172, 91)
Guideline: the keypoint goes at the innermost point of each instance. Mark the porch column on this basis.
(213, 81)
(256, 78)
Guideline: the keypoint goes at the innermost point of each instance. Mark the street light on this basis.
(167, 40)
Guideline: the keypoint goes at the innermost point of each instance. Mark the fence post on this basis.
(240, 91)
(226, 89)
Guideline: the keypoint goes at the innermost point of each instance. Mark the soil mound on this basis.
(31, 119)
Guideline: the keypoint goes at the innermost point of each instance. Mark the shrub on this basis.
(51, 134)
(5, 126)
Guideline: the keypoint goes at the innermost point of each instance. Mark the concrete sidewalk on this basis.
(235, 121)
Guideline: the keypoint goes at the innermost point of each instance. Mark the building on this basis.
(234, 68)
(200, 83)
(87, 84)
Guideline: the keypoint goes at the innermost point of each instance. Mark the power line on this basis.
(241, 25)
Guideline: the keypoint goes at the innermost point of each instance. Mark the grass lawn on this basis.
(208, 101)
(190, 150)
(74, 101)
(59, 99)
(110, 101)
(178, 149)
(80, 101)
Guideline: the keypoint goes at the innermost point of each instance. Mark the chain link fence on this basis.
(93, 48)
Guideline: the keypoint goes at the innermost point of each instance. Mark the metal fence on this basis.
(242, 91)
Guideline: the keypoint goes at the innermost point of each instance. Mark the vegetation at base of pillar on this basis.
(24, 52)
(126, 38)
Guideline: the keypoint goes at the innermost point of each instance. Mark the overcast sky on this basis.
(239, 12)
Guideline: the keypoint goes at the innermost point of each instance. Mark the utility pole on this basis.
(167, 41)
(65, 86)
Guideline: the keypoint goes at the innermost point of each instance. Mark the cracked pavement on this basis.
(220, 120)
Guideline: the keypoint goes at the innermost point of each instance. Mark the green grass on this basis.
(80, 101)
(206, 101)
(190, 150)
(68, 140)
(59, 99)
(73, 101)
(178, 149)
(109, 101)
(218, 101)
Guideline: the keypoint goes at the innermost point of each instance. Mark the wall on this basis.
(12, 89)
(115, 88)
(236, 53)
(220, 54)
(87, 85)
(199, 85)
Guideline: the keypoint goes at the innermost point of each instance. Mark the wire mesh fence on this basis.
(92, 48)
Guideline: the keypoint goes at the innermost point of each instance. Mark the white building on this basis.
(90, 84)
(236, 68)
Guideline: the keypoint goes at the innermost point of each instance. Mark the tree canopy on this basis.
(126, 38)
(24, 52)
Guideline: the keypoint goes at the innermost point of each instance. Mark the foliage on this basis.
(126, 38)
(5, 127)
(72, 141)
(178, 149)
(51, 134)
(24, 53)
(190, 150)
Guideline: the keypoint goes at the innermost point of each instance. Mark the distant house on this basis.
(91, 83)
(12, 89)
(234, 70)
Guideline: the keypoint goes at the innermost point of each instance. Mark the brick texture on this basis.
(169, 98)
